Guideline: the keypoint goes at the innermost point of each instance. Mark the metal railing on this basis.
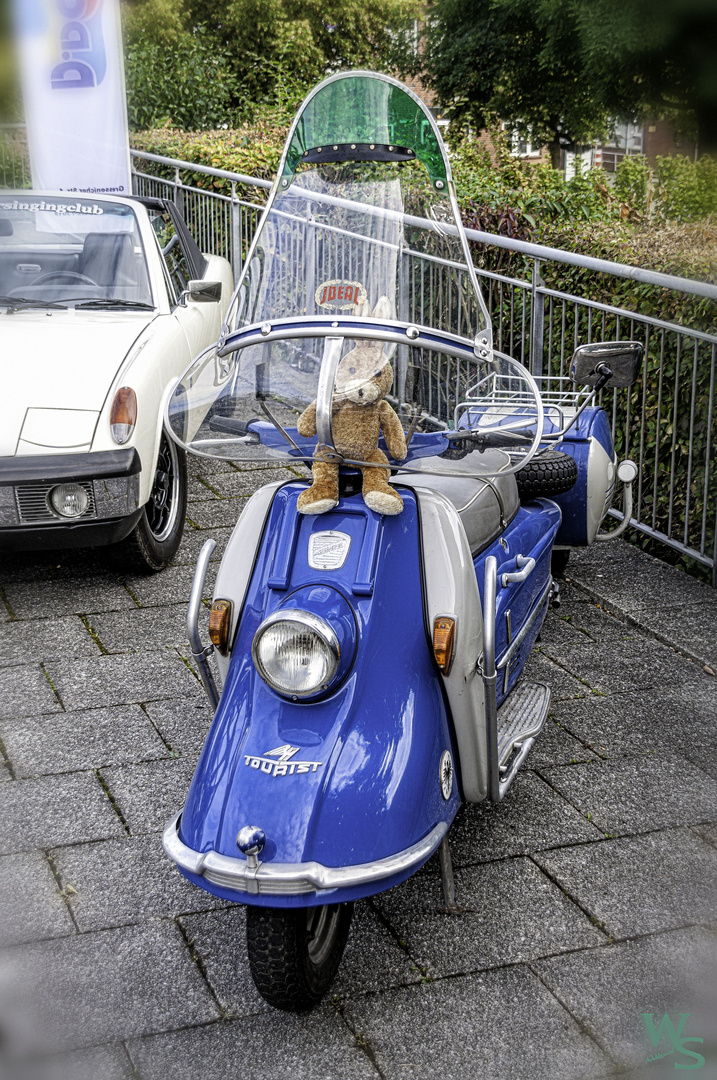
(666, 423)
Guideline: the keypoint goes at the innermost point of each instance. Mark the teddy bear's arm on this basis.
(392, 431)
(306, 424)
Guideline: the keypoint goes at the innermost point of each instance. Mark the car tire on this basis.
(294, 953)
(156, 537)
(550, 472)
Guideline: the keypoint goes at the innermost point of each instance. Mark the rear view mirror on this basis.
(610, 363)
(203, 291)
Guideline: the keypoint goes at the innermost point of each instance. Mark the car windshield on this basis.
(70, 250)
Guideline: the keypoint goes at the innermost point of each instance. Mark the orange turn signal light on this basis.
(123, 415)
(444, 641)
(220, 621)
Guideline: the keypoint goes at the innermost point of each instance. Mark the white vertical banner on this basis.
(74, 95)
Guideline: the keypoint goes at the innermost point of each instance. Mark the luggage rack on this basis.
(562, 400)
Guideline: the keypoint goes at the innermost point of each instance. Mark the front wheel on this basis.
(158, 533)
(294, 953)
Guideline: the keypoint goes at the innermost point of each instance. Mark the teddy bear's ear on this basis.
(383, 308)
(364, 308)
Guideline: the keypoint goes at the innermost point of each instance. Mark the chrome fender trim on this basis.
(293, 878)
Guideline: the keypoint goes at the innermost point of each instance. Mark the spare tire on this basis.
(550, 472)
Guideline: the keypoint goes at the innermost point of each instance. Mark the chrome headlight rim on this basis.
(308, 621)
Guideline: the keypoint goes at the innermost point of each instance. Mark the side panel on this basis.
(366, 781)
(531, 534)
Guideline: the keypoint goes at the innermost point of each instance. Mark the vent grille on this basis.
(33, 503)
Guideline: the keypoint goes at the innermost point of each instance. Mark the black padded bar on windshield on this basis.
(357, 152)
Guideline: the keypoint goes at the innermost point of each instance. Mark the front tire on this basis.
(294, 953)
(158, 534)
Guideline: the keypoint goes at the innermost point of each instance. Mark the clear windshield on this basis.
(357, 287)
(69, 251)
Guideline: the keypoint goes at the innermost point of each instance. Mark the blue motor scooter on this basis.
(370, 631)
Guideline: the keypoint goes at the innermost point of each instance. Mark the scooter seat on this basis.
(485, 506)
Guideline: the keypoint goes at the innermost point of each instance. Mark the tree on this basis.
(519, 60)
(561, 69)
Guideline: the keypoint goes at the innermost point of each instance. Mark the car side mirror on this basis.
(202, 292)
(607, 363)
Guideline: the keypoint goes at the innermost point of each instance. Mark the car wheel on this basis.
(294, 953)
(158, 534)
(559, 562)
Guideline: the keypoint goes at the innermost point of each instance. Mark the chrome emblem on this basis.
(328, 549)
(278, 762)
(446, 774)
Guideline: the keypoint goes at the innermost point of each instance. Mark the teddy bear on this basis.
(359, 413)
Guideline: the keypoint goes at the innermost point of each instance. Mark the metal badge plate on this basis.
(328, 549)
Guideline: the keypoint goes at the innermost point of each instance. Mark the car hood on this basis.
(60, 360)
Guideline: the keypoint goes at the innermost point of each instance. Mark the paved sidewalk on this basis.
(588, 897)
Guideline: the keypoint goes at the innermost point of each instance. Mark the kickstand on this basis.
(447, 879)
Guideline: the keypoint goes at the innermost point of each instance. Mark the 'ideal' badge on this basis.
(340, 294)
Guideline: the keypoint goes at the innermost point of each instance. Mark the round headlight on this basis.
(296, 652)
(69, 500)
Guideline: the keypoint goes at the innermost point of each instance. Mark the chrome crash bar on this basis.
(201, 653)
(278, 879)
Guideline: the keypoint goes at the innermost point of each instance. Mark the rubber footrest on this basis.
(521, 716)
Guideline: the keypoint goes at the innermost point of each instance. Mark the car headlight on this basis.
(296, 652)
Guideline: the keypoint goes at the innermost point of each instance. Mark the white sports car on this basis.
(103, 303)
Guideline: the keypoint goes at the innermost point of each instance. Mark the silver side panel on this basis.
(452, 589)
(238, 561)
(601, 485)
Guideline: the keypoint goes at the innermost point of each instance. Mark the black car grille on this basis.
(33, 503)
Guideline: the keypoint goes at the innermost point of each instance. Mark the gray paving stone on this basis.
(638, 794)
(193, 542)
(608, 989)
(25, 691)
(692, 629)
(44, 639)
(64, 742)
(55, 810)
(580, 624)
(125, 881)
(73, 992)
(308, 1046)
(223, 513)
(148, 795)
(31, 907)
(199, 489)
(182, 722)
(5, 773)
(530, 817)
(120, 680)
(511, 913)
(95, 1063)
(640, 884)
(617, 667)
(500, 1025)
(52, 598)
(642, 721)
(630, 580)
(556, 746)
(231, 485)
(707, 832)
(563, 686)
(172, 586)
(142, 630)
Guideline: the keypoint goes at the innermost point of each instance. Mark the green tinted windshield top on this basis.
(362, 109)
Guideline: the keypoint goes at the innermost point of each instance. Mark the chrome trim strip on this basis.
(288, 878)
(490, 675)
(325, 391)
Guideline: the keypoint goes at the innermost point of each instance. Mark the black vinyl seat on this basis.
(108, 259)
(484, 506)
